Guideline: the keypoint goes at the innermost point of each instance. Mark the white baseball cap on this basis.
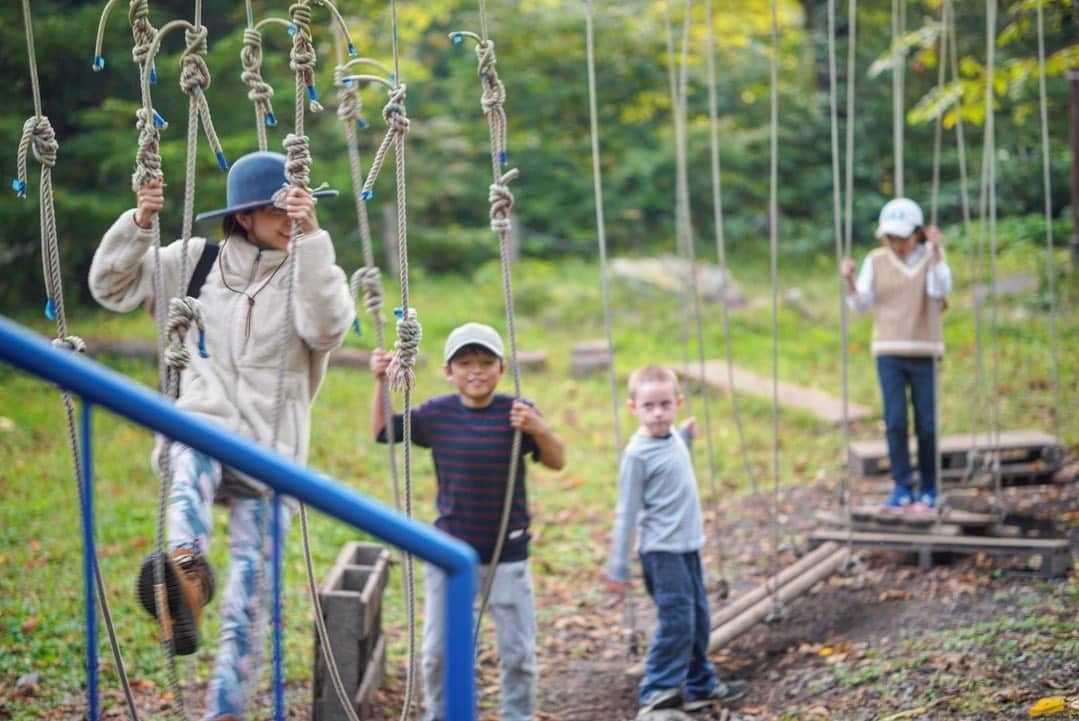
(899, 217)
(472, 334)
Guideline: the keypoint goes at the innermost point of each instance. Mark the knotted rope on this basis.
(183, 312)
(302, 57)
(143, 32)
(260, 91)
(397, 123)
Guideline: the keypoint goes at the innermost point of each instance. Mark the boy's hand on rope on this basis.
(618, 588)
(149, 200)
(300, 206)
(378, 362)
(524, 418)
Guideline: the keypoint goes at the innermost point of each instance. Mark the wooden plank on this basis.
(972, 544)
(963, 443)
(959, 518)
(811, 400)
(832, 518)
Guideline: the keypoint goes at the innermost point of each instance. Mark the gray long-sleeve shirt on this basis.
(657, 496)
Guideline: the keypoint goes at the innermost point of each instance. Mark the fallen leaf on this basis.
(895, 594)
(30, 624)
(1047, 706)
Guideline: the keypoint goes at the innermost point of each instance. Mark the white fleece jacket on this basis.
(235, 385)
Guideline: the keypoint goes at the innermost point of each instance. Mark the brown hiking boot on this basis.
(189, 585)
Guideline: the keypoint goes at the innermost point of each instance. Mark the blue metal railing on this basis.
(99, 385)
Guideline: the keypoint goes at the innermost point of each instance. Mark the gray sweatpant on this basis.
(510, 606)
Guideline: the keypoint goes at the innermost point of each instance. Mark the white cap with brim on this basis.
(899, 217)
(472, 334)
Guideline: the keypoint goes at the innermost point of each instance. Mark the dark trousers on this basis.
(679, 651)
(897, 374)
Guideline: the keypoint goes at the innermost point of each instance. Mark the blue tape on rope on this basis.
(393, 79)
(502, 157)
(50, 309)
(351, 50)
(347, 82)
(399, 312)
(202, 344)
(19, 187)
(159, 122)
(312, 94)
(367, 195)
(153, 76)
(292, 29)
(221, 162)
(458, 38)
(362, 123)
(356, 326)
(271, 119)
(99, 63)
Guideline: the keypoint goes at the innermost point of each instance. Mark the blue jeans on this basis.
(679, 651)
(896, 374)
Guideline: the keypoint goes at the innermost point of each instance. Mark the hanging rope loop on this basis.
(38, 135)
(302, 56)
(251, 58)
(501, 200)
(405, 348)
(70, 342)
(194, 73)
(349, 103)
(138, 14)
(494, 91)
(182, 313)
(369, 278)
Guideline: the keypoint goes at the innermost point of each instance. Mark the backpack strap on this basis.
(202, 269)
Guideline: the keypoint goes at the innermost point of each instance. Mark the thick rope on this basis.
(848, 490)
(399, 373)
(40, 138)
(777, 612)
(1047, 188)
(989, 145)
(721, 248)
(899, 26)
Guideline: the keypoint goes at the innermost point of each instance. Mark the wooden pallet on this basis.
(1055, 553)
(1026, 456)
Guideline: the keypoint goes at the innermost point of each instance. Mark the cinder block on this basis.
(351, 599)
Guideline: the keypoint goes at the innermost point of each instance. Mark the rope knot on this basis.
(182, 313)
(494, 91)
(400, 370)
(70, 342)
(148, 157)
(298, 164)
(394, 115)
(251, 59)
(369, 278)
(194, 72)
(501, 200)
(302, 56)
(138, 15)
(38, 135)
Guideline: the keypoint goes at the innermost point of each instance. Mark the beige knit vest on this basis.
(906, 321)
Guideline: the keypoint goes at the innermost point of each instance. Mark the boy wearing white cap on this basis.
(470, 434)
(906, 282)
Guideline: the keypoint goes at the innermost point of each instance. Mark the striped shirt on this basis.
(471, 451)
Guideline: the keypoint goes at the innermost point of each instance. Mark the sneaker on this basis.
(723, 693)
(668, 698)
(189, 585)
(899, 500)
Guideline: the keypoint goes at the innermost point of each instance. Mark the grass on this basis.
(557, 305)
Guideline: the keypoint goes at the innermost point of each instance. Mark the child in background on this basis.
(470, 434)
(906, 282)
(657, 494)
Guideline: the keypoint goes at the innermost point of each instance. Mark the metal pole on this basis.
(1073, 115)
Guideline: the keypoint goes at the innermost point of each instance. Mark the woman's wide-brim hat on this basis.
(253, 181)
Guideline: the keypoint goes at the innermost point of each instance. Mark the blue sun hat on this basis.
(253, 180)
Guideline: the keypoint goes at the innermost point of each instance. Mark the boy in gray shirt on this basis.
(657, 494)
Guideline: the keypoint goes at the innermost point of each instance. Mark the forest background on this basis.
(541, 53)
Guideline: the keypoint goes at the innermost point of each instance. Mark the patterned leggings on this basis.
(195, 480)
